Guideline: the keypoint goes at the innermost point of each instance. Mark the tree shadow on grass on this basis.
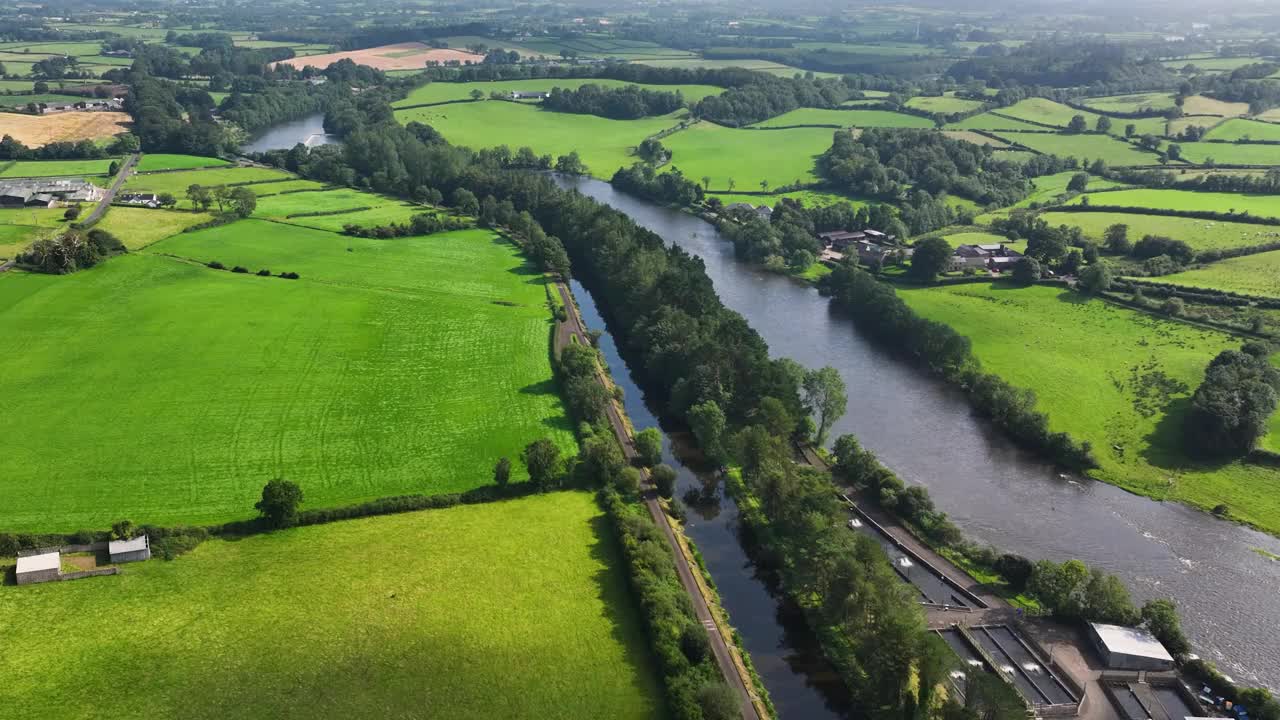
(546, 387)
(1073, 298)
(1165, 444)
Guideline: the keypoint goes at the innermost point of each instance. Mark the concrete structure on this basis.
(43, 191)
(992, 257)
(150, 200)
(1126, 648)
(39, 568)
(529, 95)
(135, 550)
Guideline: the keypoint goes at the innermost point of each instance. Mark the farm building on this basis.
(18, 193)
(146, 199)
(122, 551)
(38, 568)
(994, 256)
(842, 239)
(1126, 648)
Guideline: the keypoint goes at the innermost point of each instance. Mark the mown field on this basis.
(1251, 274)
(177, 182)
(1188, 200)
(1241, 129)
(1115, 377)
(604, 145)
(1201, 105)
(809, 198)
(364, 209)
(943, 104)
(164, 161)
(1046, 112)
(438, 92)
(1136, 102)
(54, 168)
(1231, 153)
(1199, 234)
(21, 227)
(1115, 152)
(499, 610)
(139, 227)
(992, 121)
(846, 118)
(975, 138)
(747, 156)
(393, 367)
(1048, 187)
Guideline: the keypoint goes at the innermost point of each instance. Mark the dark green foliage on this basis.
(1095, 278)
(123, 530)
(664, 479)
(628, 102)
(719, 702)
(694, 643)
(71, 251)
(1026, 271)
(1072, 591)
(929, 259)
(1016, 569)
(766, 96)
(542, 459)
(1232, 407)
(1161, 618)
(668, 187)
(709, 424)
(648, 444)
(279, 503)
(1155, 245)
(502, 472)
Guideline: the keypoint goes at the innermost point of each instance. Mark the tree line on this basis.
(623, 103)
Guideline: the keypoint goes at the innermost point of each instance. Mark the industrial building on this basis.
(1126, 648)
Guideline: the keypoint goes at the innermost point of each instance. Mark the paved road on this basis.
(125, 171)
(575, 327)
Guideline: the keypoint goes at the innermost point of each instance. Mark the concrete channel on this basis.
(1036, 682)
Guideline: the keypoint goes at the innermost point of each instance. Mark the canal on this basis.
(1228, 593)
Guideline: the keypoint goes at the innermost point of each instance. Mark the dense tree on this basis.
(648, 444)
(123, 530)
(1161, 618)
(1096, 278)
(664, 479)
(708, 423)
(1116, 238)
(929, 259)
(542, 459)
(279, 503)
(1027, 270)
(1077, 124)
(502, 472)
(827, 399)
(1103, 125)
(628, 102)
(1232, 407)
(1078, 183)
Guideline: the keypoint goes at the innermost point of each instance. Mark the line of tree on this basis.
(12, 149)
(70, 251)
(621, 103)
(1267, 183)
(420, 224)
(670, 187)
(769, 96)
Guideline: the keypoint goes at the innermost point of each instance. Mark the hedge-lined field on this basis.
(505, 610)
(139, 227)
(992, 121)
(166, 161)
(54, 168)
(943, 104)
(846, 118)
(1116, 153)
(1250, 274)
(21, 227)
(389, 369)
(1188, 200)
(446, 91)
(1115, 377)
(1231, 153)
(1136, 102)
(1047, 112)
(748, 156)
(377, 209)
(604, 145)
(1199, 234)
(178, 182)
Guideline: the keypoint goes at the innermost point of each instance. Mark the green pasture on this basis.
(992, 121)
(748, 157)
(1217, 64)
(1199, 234)
(55, 168)
(1046, 112)
(1175, 127)
(21, 101)
(439, 92)
(1188, 200)
(604, 145)
(846, 118)
(164, 161)
(1117, 378)
(1231, 153)
(377, 210)
(974, 137)
(767, 66)
(138, 227)
(19, 227)
(808, 198)
(1241, 129)
(944, 104)
(270, 189)
(480, 611)
(975, 238)
(178, 182)
(75, 49)
(1250, 274)
(1132, 103)
(1116, 153)
(398, 366)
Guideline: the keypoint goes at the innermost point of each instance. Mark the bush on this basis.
(123, 530)
(694, 643)
(719, 702)
(290, 275)
(279, 503)
(264, 273)
(215, 265)
(1016, 569)
(240, 269)
(664, 479)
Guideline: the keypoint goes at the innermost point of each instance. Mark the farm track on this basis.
(574, 327)
(121, 176)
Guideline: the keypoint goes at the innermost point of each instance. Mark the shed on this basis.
(1126, 648)
(39, 568)
(122, 551)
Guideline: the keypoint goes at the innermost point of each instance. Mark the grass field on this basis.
(722, 153)
(1112, 376)
(1048, 188)
(162, 161)
(284, 186)
(1241, 129)
(975, 238)
(1231, 153)
(1176, 127)
(1251, 274)
(483, 611)
(444, 91)
(1046, 112)
(388, 368)
(1201, 105)
(943, 105)
(809, 198)
(139, 227)
(20, 227)
(178, 182)
(991, 121)
(846, 118)
(1116, 153)
(766, 66)
(1199, 234)
(20, 101)
(1217, 64)
(55, 168)
(604, 145)
(379, 210)
(1189, 200)
(1137, 102)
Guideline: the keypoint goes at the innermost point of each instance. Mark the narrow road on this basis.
(123, 174)
(574, 327)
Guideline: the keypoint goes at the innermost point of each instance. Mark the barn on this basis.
(1126, 648)
(38, 568)
(122, 551)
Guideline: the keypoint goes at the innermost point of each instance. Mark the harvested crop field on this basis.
(390, 367)
(975, 138)
(39, 130)
(401, 56)
(500, 610)
(1201, 105)
(1136, 102)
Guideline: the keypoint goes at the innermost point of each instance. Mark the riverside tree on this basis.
(827, 399)
(1232, 408)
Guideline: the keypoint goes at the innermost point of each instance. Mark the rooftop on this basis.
(36, 563)
(124, 546)
(1131, 641)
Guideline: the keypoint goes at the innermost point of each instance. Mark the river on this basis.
(308, 130)
(1228, 593)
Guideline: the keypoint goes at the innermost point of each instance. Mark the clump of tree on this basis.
(71, 251)
(670, 187)
(279, 504)
(628, 102)
(1232, 407)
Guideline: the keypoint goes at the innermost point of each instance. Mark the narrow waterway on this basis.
(1228, 592)
(308, 130)
(800, 681)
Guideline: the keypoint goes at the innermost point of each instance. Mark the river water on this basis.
(1228, 593)
(308, 130)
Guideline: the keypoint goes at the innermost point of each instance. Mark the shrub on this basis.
(83, 537)
(123, 530)
(502, 472)
(694, 643)
(290, 275)
(279, 503)
(1016, 569)
(719, 702)
(240, 269)
(648, 443)
(215, 265)
(264, 273)
(664, 479)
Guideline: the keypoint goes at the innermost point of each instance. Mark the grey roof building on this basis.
(134, 550)
(38, 568)
(44, 191)
(1126, 648)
